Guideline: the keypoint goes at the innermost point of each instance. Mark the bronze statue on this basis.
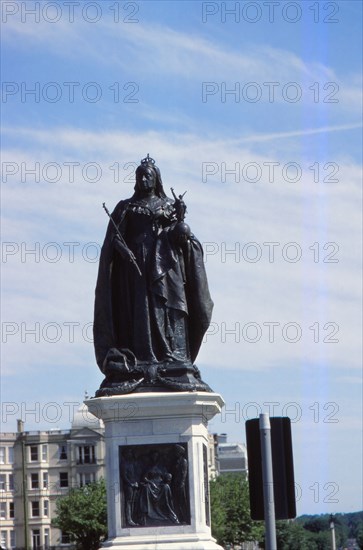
(152, 305)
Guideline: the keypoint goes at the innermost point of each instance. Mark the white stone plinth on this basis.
(156, 419)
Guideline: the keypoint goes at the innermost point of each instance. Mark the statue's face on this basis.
(146, 180)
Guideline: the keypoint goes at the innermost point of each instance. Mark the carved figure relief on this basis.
(154, 485)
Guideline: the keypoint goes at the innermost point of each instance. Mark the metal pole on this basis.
(332, 530)
(267, 477)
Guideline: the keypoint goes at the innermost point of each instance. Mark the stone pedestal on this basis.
(141, 424)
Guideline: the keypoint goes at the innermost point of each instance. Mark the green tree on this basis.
(316, 524)
(230, 508)
(318, 529)
(291, 536)
(83, 515)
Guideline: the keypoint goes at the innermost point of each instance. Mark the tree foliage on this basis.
(291, 536)
(230, 508)
(347, 526)
(83, 515)
(232, 524)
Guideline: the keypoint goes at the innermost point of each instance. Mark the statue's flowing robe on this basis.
(164, 313)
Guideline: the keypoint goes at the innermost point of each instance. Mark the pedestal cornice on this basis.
(137, 406)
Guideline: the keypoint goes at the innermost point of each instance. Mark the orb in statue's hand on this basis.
(181, 233)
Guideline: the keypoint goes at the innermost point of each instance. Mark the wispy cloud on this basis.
(304, 213)
(161, 50)
(301, 132)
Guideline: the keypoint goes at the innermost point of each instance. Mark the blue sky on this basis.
(257, 114)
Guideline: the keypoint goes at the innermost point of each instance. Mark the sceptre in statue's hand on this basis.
(125, 249)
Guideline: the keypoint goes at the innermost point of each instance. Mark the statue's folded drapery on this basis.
(157, 318)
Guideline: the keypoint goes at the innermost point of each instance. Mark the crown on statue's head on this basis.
(148, 161)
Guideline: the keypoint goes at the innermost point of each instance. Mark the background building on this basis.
(229, 457)
(39, 466)
(7, 491)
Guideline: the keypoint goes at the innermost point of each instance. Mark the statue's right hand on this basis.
(123, 250)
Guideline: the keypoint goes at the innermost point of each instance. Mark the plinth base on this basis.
(162, 542)
(151, 440)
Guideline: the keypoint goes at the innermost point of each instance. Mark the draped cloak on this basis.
(132, 311)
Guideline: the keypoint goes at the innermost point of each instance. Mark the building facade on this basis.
(38, 467)
(230, 457)
(7, 491)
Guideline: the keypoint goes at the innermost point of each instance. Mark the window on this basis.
(12, 539)
(45, 480)
(65, 538)
(44, 453)
(86, 478)
(2, 455)
(34, 481)
(86, 455)
(36, 538)
(2, 482)
(11, 482)
(35, 508)
(46, 538)
(63, 479)
(3, 539)
(62, 452)
(46, 508)
(11, 455)
(11, 510)
(34, 453)
(3, 510)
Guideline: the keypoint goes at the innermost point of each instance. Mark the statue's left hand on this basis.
(181, 233)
